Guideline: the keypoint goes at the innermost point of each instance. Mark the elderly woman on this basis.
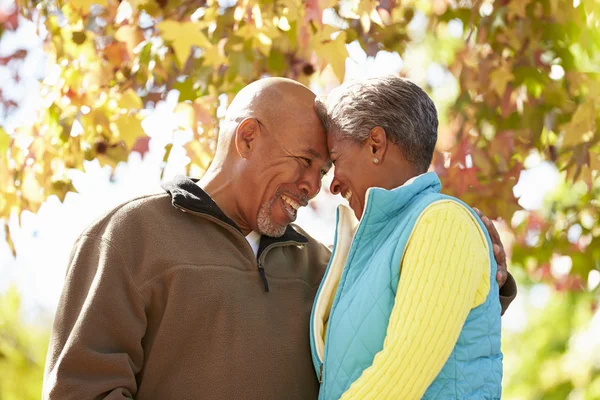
(409, 306)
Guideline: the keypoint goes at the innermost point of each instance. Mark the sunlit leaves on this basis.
(522, 71)
(183, 35)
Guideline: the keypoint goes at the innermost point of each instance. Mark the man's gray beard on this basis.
(265, 225)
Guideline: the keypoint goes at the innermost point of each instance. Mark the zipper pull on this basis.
(263, 276)
(321, 373)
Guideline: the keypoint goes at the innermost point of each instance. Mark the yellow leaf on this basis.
(186, 115)
(580, 124)
(214, 56)
(334, 53)
(199, 154)
(30, 187)
(130, 100)
(84, 5)
(130, 35)
(499, 78)
(183, 35)
(4, 143)
(129, 129)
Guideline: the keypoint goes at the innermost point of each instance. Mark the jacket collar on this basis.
(185, 193)
(382, 203)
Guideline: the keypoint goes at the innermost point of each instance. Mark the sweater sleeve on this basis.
(96, 344)
(445, 273)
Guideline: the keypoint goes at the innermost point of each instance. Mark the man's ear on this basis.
(245, 134)
(377, 142)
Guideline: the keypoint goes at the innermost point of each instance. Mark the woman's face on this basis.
(355, 170)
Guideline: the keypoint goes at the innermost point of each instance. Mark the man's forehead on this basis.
(314, 153)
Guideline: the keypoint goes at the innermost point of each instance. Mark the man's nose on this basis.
(311, 185)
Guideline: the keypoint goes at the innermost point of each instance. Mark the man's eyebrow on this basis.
(313, 153)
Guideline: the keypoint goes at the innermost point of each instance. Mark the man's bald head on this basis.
(273, 102)
(271, 98)
(272, 152)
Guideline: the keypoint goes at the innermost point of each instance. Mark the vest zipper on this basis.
(327, 333)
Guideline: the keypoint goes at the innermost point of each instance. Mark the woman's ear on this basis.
(377, 143)
(245, 134)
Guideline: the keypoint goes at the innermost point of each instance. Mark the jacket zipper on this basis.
(261, 269)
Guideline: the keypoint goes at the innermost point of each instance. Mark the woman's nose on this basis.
(335, 187)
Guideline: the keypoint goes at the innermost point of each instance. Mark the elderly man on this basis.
(204, 291)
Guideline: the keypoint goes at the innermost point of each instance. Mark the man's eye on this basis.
(307, 161)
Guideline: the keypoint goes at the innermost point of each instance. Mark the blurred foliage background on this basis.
(518, 88)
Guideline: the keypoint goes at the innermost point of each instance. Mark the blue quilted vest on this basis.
(365, 296)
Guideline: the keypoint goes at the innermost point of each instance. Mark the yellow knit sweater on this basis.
(445, 273)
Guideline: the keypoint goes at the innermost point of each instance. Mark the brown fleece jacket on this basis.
(164, 299)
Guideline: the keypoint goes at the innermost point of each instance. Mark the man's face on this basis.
(292, 160)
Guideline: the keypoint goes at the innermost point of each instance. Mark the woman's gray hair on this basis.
(400, 107)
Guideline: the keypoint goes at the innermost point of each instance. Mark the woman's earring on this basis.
(376, 160)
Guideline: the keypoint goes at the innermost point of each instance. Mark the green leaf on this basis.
(186, 89)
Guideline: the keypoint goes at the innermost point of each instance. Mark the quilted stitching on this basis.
(366, 294)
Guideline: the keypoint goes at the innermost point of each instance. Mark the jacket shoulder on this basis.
(131, 212)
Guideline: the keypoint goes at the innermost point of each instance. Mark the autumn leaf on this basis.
(334, 53)
(129, 129)
(499, 78)
(183, 35)
(186, 115)
(130, 35)
(142, 145)
(199, 154)
(581, 123)
(130, 100)
(4, 143)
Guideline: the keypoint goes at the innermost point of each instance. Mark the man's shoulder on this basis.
(130, 214)
(318, 252)
(311, 240)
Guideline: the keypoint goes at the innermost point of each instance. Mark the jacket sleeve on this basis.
(95, 349)
(508, 292)
(445, 273)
